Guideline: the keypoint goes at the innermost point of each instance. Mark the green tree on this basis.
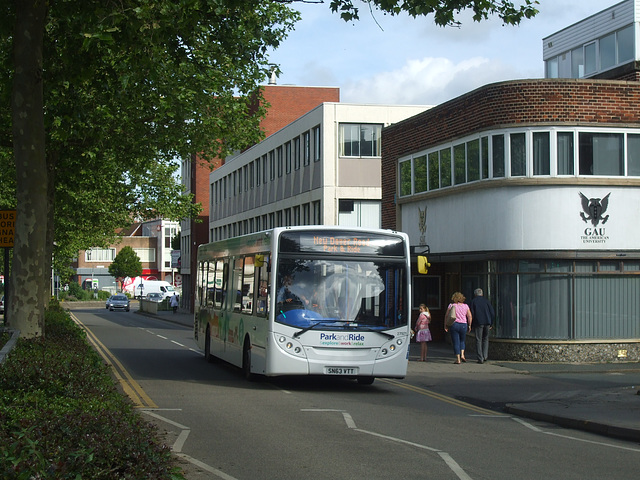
(126, 264)
(116, 90)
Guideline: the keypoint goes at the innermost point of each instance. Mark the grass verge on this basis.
(62, 417)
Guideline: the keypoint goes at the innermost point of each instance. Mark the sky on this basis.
(399, 60)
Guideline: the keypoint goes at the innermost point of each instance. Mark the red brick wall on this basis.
(288, 103)
(505, 104)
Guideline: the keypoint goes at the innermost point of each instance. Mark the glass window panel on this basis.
(607, 51)
(518, 155)
(459, 164)
(296, 153)
(287, 156)
(484, 158)
(631, 265)
(445, 167)
(541, 153)
(607, 306)
(564, 65)
(280, 163)
(497, 156)
(560, 266)
(317, 144)
(405, 178)
(552, 68)
(601, 154)
(434, 171)
(633, 155)
(585, 267)
(544, 307)
(609, 266)
(306, 147)
(473, 160)
(625, 44)
(420, 174)
(565, 153)
(577, 63)
(590, 64)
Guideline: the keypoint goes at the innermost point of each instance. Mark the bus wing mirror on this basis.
(259, 262)
(423, 264)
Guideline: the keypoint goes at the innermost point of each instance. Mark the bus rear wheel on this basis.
(366, 380)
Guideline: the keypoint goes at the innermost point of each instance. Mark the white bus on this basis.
(307, 300)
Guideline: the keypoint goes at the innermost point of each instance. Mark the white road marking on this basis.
(539, 430)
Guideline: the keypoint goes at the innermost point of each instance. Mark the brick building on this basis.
(528, 189)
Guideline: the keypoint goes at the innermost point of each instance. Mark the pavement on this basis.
(558, 393)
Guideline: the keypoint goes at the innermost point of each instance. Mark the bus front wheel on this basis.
(207, 346)
(365, 380)
(246, 362)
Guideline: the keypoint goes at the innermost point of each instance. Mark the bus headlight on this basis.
(390, 349)
(291, 346)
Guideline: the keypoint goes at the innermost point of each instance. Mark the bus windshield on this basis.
(338, 294)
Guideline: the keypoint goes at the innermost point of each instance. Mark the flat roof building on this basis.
(321, 169)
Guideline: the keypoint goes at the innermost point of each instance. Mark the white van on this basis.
(155, 286)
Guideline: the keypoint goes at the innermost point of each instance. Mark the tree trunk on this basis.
(28, 279)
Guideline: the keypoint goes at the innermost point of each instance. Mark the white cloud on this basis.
(428, 81)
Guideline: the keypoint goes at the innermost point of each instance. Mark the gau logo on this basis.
(593, 209)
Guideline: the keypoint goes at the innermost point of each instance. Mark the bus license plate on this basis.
(341, 370)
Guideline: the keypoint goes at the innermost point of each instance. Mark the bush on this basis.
(61, 416)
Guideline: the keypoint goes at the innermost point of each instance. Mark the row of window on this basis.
(146, 255)
(305, 214)
(245, 278)
(263, 169)
(522, 154)
(593, 57)
(355, 140)
(562, 300)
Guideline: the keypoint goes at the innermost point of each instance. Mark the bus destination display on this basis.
(334, 243)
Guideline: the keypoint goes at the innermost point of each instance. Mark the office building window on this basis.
(306, 147)
(601, 154)
(360, 140)
(405, 178)
(633, 155)
(287, 157)
(420, 173)
(565, 153)
(434, 171)
(518, 154)
(317, 144)
(296, 153)
(541, 153)
(473, 160)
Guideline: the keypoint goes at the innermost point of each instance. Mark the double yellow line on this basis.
(442, 398)
(131, 388)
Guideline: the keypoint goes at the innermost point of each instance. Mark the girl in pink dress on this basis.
(423, 334)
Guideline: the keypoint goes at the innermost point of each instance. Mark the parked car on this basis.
(118, 302)
(154, 297)
(2, 305)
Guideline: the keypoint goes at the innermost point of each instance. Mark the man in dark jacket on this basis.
(483, 314)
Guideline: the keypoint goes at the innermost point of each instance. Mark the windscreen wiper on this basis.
(366, 328)
(312, 326)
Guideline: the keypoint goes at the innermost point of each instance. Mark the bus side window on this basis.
(200, 282)
(238, 270)
(224, 288)
(247, 285)
(262, 287)
(211, 283)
